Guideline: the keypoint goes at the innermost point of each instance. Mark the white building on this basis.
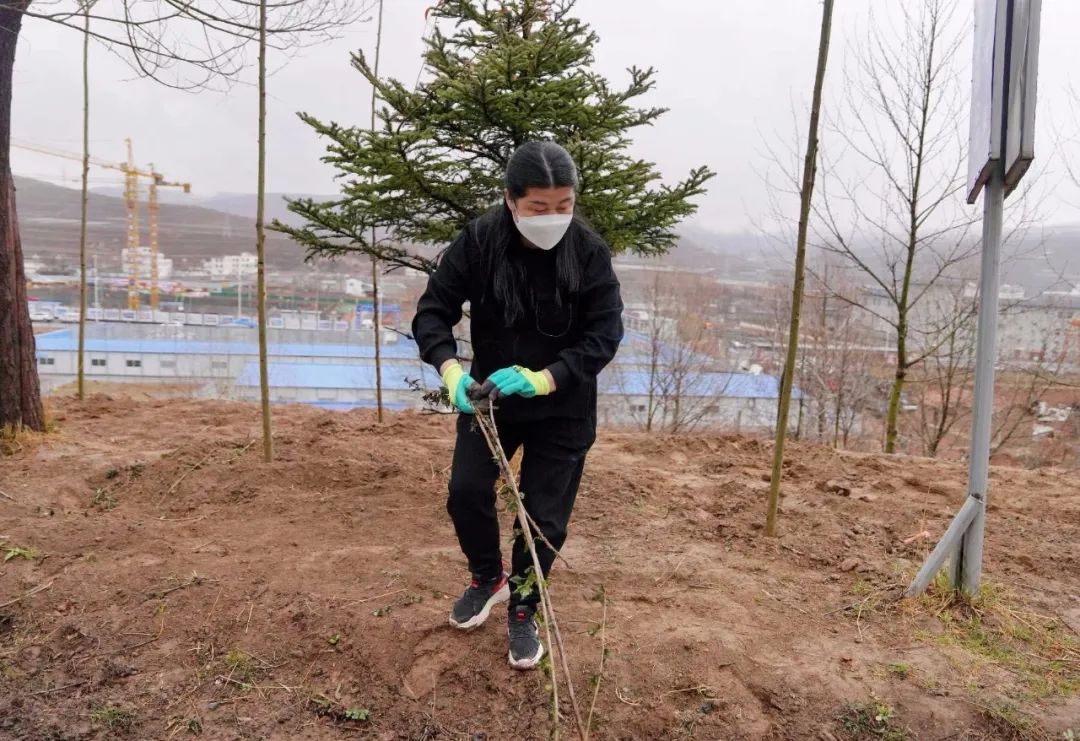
(742, 402)
(1006, 292)
(228, 267)
(143, 257)
(219, 360)
(357, 287)
(33, 265)
(1043, 329)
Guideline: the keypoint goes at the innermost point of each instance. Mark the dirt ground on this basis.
(159, 581)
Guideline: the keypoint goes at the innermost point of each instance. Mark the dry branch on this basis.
(551, 627)
(600, 670)
(183, 476)
(31, 593)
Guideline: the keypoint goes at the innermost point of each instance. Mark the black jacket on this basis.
(574, 339)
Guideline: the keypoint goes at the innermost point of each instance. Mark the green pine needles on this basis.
(498, 73)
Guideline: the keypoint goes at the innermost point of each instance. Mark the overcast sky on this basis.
(731, 73)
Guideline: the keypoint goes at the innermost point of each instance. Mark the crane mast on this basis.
(131, 202)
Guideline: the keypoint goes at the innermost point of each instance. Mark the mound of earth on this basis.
(159, 580)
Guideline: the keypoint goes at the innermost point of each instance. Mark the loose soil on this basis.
(161, 581)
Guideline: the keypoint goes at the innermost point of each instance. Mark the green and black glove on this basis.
(516, 381)
(458, 383)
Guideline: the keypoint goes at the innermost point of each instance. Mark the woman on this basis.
(545, 318)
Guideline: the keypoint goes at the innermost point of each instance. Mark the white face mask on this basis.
(544, 231)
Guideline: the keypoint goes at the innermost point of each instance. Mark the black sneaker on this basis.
(475, 605)
(526, 650)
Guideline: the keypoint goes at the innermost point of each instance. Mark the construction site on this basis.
(141, 261)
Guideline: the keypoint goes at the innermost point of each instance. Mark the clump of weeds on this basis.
(324, 707)
(113, 719)
(873, 719)
(13, 551)
(994, 627)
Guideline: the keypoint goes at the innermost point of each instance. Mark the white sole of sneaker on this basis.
(502, 595)
(529, 663)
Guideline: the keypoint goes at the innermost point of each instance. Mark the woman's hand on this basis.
(519, 381)
(458, 385)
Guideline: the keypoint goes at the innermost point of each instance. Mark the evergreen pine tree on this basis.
(509, 71)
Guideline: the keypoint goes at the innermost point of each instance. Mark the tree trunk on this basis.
(841, 381)
(85, 201)
(893, 414)
(655, 349)
(376, 305)
(676, 419)
(260, 248)
(20, 392)
(806, 193)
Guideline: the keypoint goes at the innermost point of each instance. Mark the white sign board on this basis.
(1023, 76)
(1005, 64)
(987, 91)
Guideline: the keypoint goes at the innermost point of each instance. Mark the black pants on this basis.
(551, 467)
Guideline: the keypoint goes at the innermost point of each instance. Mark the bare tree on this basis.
(837, 362)
(1034, 357)
(1038, 371)
(158, 40)
(894, 216)
(678, 380)
(942, 383)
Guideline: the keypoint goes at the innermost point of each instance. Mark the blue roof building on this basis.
(653, 385)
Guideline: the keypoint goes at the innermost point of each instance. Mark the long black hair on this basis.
(538, 164)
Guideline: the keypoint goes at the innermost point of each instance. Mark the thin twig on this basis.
(700, 688)
(377, 596)
(31, 593)
(195, 580)
(600, 671)
(669, 577)
(631, 703)
(1061, 659)
(537, 532)
(184, 475)
(492, 438)
(183, 519)
(240, 454)
(545, 541)
(861, 603)
(551, 626)
(7, 496)
(59, 689)
(773, 596)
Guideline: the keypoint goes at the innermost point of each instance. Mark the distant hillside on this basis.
(49, 225)
(236, 204)
(194, 227)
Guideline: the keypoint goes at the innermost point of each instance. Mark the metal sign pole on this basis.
(969, 573)
(1002, 146)
(963, 540)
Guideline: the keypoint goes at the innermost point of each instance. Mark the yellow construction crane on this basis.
(131, 201)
